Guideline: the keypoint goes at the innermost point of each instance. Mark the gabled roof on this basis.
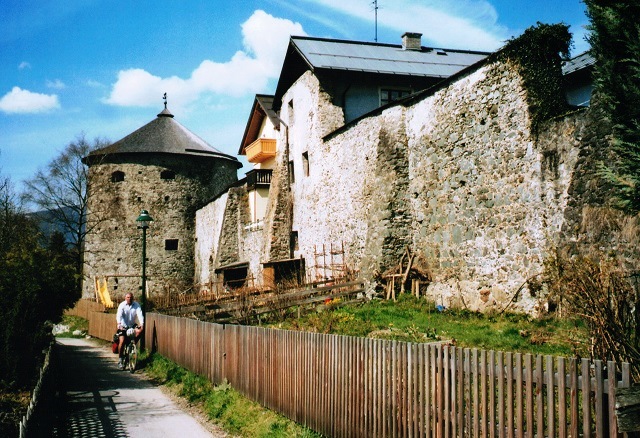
(262, 108)
(315, 54)
(580, 62)
(162, 135)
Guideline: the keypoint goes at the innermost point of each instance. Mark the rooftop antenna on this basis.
(375, 10)
(165, 100)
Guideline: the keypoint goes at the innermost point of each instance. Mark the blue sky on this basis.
(101, 67)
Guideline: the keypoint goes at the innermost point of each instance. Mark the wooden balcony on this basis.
(261, 150)
(258, 178)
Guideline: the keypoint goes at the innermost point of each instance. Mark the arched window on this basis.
(167, 174)
(117, 176)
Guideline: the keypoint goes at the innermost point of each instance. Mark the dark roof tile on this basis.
(162, 135)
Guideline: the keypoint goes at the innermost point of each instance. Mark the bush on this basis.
(37, 282)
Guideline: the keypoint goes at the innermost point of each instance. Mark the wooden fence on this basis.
(249, 305)
(83, 308)
(347, 386)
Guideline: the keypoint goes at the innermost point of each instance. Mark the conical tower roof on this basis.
(162, 135)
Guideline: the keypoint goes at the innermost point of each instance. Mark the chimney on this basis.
(411, 41)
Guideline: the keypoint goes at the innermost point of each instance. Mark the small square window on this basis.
(171, 244)
(167, 174)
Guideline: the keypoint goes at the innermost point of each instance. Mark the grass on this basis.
(417, 320)
(408, 319)
(222, 404)
(71, 324)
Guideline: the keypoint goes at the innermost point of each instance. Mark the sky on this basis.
(100, 68)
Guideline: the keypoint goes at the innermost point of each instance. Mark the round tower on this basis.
(169, 171)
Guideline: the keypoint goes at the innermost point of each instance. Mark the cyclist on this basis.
(129, 315)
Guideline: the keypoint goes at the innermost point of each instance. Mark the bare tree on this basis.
(61, 190)
(9, 210)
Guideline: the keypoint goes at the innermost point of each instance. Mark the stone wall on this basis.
(455, 174)
(226, 235)
(208, 233)
(113, 244)
(232, 221)
(488, 197)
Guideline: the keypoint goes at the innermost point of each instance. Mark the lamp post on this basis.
(143, 222)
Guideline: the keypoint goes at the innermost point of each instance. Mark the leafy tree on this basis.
(615, 44)
(36, 285)
(61, 190)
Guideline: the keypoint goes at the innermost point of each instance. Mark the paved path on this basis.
(98, 400)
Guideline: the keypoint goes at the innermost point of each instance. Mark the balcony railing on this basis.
(261, 150)
(258, 178)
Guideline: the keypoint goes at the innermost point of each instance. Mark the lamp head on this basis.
(144, 219)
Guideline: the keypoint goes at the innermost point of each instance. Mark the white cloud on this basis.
(463, 24)
(24, 101)
(57, 84)
(24, 65)
(94, 84)
(265, 39)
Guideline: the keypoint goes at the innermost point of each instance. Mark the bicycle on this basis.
(130, 351)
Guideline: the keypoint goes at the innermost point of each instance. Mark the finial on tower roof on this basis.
(165, 112)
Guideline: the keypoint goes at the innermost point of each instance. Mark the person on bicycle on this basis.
(129, 313)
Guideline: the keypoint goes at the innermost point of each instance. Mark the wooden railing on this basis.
(246, 304)
(258, 177)
(348, 386)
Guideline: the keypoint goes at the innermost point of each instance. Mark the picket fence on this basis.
(356, 387)
(37, 411)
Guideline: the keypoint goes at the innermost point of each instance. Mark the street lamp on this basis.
(143, 222)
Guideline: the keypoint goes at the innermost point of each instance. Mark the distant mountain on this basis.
(49, 224)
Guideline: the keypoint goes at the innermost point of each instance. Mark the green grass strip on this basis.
(222, 404)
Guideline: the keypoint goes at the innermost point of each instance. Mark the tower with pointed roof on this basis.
(164, 168)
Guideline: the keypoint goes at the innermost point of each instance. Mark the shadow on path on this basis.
(88, 383)
(95, 399)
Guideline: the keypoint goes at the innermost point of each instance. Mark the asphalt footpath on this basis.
(96, 399)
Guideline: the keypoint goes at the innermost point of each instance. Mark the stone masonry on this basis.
(454, 173)
(113, 245)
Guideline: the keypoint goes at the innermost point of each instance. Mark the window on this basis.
(390, 94)
(293, 243)
(167, 174)
(292, 175)
(305, 163)
(171, 244)
(117, 176)
(291, 115)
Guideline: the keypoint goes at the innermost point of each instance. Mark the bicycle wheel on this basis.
(133, 356)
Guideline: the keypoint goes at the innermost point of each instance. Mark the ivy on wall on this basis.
(538, 54)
